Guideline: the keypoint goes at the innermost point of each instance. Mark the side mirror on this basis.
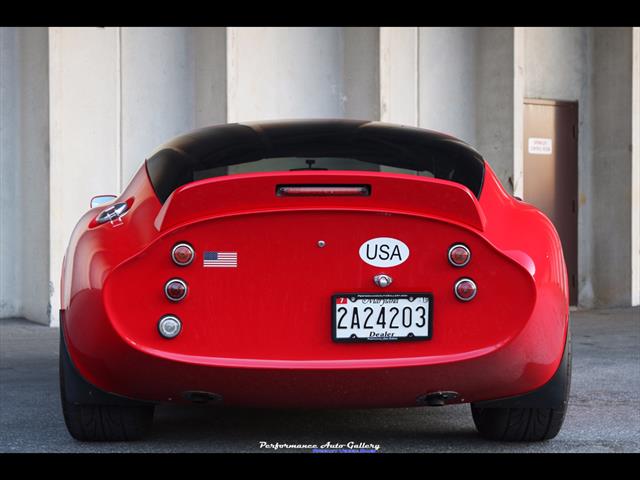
(101, 200)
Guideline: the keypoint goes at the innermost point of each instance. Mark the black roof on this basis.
(176, 162)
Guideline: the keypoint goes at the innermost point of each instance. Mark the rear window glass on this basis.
(321, 145)
(287, 164)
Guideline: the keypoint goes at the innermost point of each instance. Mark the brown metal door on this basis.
(551, 172)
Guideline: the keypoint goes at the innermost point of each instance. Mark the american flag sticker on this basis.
(220, 259)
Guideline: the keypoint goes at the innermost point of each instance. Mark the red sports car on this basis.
(350, 264)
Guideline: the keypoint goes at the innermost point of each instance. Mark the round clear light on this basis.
(459, 255)
(169, 326)
(465, 289)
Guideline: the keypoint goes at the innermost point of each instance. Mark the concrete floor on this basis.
(603, 415)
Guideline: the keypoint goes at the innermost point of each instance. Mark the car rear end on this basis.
(321, 288)
(316, 263)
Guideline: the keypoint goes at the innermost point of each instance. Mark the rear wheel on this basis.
(518, 424)
(106, 423)
(110, 419)
(522, 424)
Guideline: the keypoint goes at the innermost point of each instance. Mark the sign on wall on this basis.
(540, 146)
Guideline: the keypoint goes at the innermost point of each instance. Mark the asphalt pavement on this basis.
(603, 415)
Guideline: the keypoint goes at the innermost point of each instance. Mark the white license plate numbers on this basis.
(382, 317)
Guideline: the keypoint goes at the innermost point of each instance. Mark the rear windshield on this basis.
(321, 145)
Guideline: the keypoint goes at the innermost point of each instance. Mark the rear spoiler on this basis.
(262, 192)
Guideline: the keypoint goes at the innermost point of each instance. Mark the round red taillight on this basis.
(459, 255)
(182, 254)
(465, 289)
(175, 289)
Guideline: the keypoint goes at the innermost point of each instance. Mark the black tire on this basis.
(104, 422)
(107, 423)
(524, 424)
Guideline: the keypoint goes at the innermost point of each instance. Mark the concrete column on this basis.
(172, 81)
(84, 88)
(158, 91)
(10, 169)
(210, 62)
(635, 172)
(399, 91)
(496, 91)
(519, 66)
(459, 81)
(276, 73)
(24, 173)
(35, 173)
(612, 166)
(447, 78)
(286, 73)
(117, 94)
(279, 73)
(361, 71)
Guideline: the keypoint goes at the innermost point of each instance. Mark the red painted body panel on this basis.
(260, 334)
(247, 193)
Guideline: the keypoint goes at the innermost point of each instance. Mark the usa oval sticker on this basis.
(384, 252)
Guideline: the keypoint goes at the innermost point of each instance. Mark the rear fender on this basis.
(76, 389)
(553, 394)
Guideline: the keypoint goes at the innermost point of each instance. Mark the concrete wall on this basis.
(635, 172)
(84, 88)
(612, 165)
(157, 90)
(361, 72)
(558, 66)
(172, 80)
(24, 173)
(278, 73)
(285, 73)
(495, 88)
(399, 75)
(210, 51)
(116, 94)
(593, 66)
(454, 80)
(34, 125)
(10, 168)
(447, 79)
(302, 73)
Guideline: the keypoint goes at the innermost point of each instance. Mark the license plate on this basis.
(359, 317)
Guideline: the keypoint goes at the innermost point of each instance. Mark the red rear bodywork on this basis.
(260, 334)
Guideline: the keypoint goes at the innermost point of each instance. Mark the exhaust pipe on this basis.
(437, 399)
(201, 398)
